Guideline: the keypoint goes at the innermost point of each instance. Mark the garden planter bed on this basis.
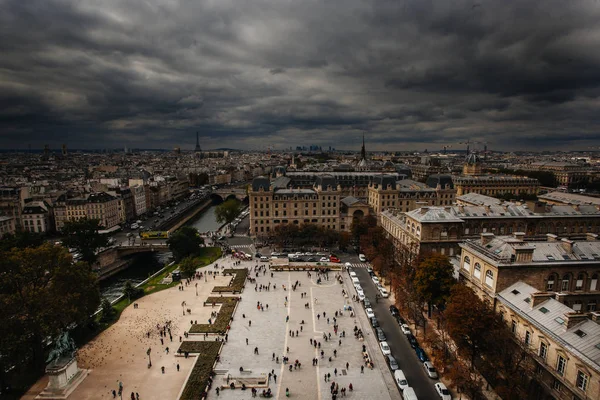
(198, 380)
(237, 283)
(221, 323)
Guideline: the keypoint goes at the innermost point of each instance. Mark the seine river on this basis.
(146, 264)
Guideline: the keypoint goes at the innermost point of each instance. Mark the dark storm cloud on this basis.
(412, 74)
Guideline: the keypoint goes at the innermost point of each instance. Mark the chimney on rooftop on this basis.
(486, 237)
(519, 235)
(567, 245)
(590, 237)
(550, 237)
(540, 297)
(539, 207)
(574, 318)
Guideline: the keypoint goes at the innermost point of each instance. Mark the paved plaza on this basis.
(270, 333)
(119, 353)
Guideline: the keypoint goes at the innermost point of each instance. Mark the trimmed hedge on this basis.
(238, 282)
(207, 355)
(220, 300)
(221, 322)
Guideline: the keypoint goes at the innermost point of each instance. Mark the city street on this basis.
(401, 350)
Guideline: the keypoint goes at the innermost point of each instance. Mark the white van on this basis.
(409, 394)
(355, 280)
(400, 379)
(362, 258)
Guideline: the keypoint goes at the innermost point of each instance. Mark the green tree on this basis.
(470, 322)
(185, 242)
(227, 211)
(434, 279)
(21, 240)
(131, 291)
(188, 266)
(107, 311)
(83, 236)
(41, 293)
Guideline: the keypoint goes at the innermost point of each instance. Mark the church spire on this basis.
(363, 153)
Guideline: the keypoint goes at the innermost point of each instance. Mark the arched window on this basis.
(594, 282)
(467, 263)
(550, 283)
(489, 278)
(565, 283)
(477, 271)
(419, 231)
(579, 282)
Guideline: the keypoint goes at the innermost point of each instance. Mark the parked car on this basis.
(385, 349)
(375, 280)
(400, 379)
(421, 355)
(442, 391)
(394, 310)
(374, 322)
(361, 296)
(384, 292)
(430, 370)
(367, 303)
(412, 340)
(362, 258)
(380, 335)
(392, 362)
(370, 313)
(400, 320)
(352, 274)
(334, 259)
(264, 258)
(405, 329)
(324, 259)
(348, 265)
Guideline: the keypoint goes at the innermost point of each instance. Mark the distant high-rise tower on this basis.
(64, 149)
(363, 152)
(46, 152)
(198, 149)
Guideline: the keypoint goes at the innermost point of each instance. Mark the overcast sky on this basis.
(411, 74)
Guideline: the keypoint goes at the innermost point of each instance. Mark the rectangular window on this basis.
(543, 351)
(550, 285)
(593, 284)
(561, 365)
(513, 327)
(527, 338)
(556, 385)
(579, 284)
(582, 380)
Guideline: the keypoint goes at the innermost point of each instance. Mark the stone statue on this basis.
(64, 347)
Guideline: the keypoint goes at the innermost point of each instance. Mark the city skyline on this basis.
(412, 75)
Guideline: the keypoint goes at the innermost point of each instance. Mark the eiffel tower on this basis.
(198, 149)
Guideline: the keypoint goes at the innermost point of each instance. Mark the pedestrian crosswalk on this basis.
(242, 246)
(359, 265)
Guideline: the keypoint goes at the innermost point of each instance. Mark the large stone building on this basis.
(404, 195)
(12, 201)
(563, 343)
(442, 229)
(101, 206)
(569, 198)
(324, 204)
(496, 185)
(36, 217)
(565, 173)
(566, 268)
(7, 226)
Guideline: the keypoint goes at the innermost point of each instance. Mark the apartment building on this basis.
(442, 229)
(563, 344)
(7, 226)
(139, 199)
(494, 185)
(36, 217)
(12, 201)
(101, 206)
(568, 269)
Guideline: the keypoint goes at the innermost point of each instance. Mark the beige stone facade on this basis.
(441, 229)
(322, 205)
(101, 206)
(493, 185)
(562, 344)
(405, 195)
